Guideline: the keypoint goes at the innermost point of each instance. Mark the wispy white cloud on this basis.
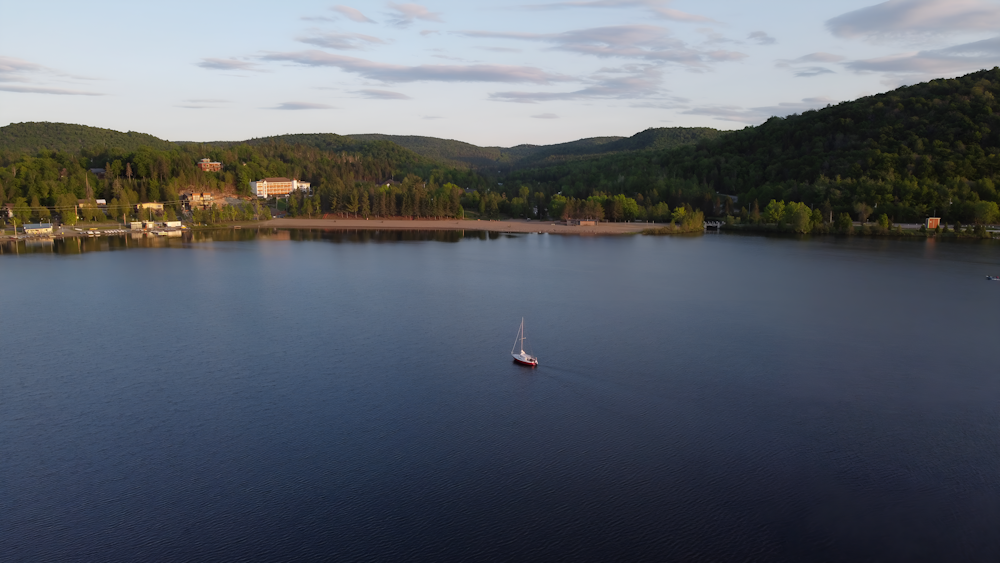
(917, 17)
(501, 49)
(762, 38)
(10, 65)
(938, 62)
(25, 89)
(546, 116)
(203, 103)
(753, 116)
(301, 106)
(438, 73)
(647, 42)
(405, 14)
(228, 64)
(340, 41)
(630, 82)
(658, 8)
(352, 14)
(383, 95)
(25, 77)
(809, 65)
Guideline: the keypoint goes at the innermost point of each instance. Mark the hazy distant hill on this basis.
(381, 150)
(521, 156)
(455, 153)
(66, 137)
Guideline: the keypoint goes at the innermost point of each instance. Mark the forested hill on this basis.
(410, 152)
(913, 151)
(32, 137)
(941, 130)
(400, 157)
(455, 153)
(458, 153)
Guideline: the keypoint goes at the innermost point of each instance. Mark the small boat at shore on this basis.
(523, 358)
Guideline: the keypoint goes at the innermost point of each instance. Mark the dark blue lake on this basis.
(351, 397)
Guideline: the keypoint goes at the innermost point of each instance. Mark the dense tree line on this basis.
(50, 182)
(931, 149)
(928, 149)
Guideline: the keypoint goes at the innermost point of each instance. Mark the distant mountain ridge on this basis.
(529, 156)
(31, 137)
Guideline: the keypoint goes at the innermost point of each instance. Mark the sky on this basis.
(492, 73)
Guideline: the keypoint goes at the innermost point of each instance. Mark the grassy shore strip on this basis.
(504, 226)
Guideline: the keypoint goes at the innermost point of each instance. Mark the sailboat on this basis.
(523, 358)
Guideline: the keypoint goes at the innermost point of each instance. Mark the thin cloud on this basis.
(228, 64)
(679, 16)
(635, 81)
(301, 106)
(10, 65)
(546, 116)
(761, 38)
(648, 42)
(713, 37)
(432, 117)
(317, 19)
(44, 90)
(25, 77)
(352, 14)
(657, 7)
(203, 103)
(501, 49)
(436, 73)
(405, 14)
(753, 116)
(810, 71)
(917, 17)
(383, 95)
(806, 66)
(939, 62)
(340, 41)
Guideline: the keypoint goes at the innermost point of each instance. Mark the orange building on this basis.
(209, 166)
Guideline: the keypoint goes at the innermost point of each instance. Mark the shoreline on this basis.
(507, 226)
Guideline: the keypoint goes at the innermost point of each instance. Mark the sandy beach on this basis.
(511, 226)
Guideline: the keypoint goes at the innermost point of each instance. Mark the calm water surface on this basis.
(325, 396)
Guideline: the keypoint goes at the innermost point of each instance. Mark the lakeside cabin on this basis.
(38, 229)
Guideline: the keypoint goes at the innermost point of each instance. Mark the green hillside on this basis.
(458, 153)
(918, 150)
(455, 153)
(401, 158)
(65, 137)
(528, 156)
